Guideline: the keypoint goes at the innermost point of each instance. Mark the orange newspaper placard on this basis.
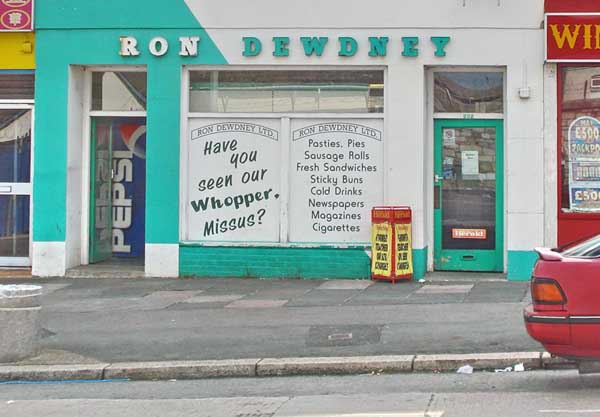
(381, 251)
(391, 243)
(403, 242)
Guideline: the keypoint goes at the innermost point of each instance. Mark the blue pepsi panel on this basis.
(129, 186)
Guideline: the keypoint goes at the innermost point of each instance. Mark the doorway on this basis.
(468, 195)
(16, 123)
(117, 190)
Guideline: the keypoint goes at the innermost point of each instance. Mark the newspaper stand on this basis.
(391, 243)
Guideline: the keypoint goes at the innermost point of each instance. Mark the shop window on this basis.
(468, 92)
(580, 139)
(286, 91)
(16, 86)
(119, 91)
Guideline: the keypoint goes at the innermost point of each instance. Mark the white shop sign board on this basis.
(234, 180)
(336, 177)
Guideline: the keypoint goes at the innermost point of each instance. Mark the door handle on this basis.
(5, 189)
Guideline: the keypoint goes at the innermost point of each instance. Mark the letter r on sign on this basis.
(128, 46)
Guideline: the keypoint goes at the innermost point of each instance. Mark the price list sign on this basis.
(16, 15)
(336, 176)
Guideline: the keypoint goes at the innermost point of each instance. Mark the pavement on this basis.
(140, 328)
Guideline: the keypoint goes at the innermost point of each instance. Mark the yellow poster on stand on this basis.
(404, 262)
(381, 255)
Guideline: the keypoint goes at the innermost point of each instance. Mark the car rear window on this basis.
(589, 248)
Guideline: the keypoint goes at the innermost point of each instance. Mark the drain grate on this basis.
(347, 335)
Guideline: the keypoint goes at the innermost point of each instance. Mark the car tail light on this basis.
(547, 291)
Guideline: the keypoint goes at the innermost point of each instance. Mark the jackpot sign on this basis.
(584, 164)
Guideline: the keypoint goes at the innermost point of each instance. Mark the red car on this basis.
(565, 289)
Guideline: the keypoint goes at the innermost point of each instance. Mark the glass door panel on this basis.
(469, 188)
(101, 192)
(15, 185)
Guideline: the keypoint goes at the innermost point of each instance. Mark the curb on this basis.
(269, 367)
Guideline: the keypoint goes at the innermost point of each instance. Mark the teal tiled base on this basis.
(283, 262)
(274, 262)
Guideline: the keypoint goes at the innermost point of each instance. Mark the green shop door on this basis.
(468, 195)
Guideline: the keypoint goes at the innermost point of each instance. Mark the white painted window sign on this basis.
(234, 180)
(237, 178)
(336, 177)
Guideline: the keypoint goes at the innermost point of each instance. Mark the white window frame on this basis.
(86, 136)
(430, 84)
(286, 119)
(429, 175)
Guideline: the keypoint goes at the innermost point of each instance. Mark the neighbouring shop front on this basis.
(573, 68)
(17, 67)
(196, 145)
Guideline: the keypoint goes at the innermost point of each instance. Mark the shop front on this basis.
(16, 120)
(573, 68)
(198, 145)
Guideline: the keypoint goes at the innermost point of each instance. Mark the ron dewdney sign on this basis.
(310, 46)
(233, 180)
(336, 176)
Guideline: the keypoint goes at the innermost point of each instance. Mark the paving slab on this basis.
(155, 301)
(242, 304)
(317, 298)
(345, 284)
(206, 298)
(498, 292)
(50, 288)
(436, 298)
(277, 294)
(443, 289)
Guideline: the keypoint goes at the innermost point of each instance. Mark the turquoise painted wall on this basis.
(419, 263)
(520, 264)
(60, 43)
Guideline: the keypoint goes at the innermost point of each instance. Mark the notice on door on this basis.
(336, 176)
(470, 162)
(233, 180)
